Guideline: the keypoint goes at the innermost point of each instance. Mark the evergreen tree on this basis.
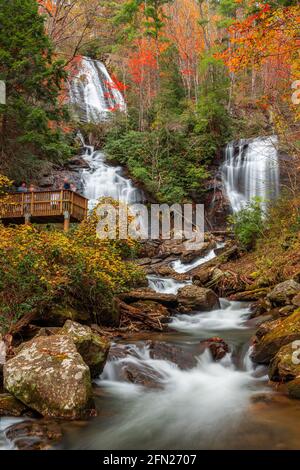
(29, 122)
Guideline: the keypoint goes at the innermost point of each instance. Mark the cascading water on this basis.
(251, 169)
(103, 180)
(93, 93)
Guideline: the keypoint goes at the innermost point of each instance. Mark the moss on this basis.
(285, 332)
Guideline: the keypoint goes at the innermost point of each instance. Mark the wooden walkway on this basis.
(62, 206)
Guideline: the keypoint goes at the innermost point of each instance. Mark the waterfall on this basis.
(93, 93)
(102, 180)
(251, 169)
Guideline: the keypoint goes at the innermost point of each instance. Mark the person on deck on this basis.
(23, 188)
(66, 185)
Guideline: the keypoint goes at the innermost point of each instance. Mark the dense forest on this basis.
(155, 101)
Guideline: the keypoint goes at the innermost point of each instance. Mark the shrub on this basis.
(248, 224)
(40, 268)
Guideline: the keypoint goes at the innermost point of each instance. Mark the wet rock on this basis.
(92, 347)
(165, 351)
(217, 347)
(284, 292)
(10, 406)
(168, 300)
(250, 295)
(34, 435)
(294, 388)
(283, 367)
(142, 375)
(49, 376)
(283, 332)
(193, 298)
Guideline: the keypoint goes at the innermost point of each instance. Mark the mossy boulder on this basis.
(49, 376)
(283, 293)
(59, 314)
(92, 347)
(193, 298)
(10, 406)
(283, 367)
(282, 333)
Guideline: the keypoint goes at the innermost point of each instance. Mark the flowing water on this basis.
(93, 93)
(251, 169)
(208, 405)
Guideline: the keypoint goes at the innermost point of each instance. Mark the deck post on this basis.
(66, 221)
(27, 217)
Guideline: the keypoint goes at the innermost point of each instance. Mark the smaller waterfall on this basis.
(93, 93)
(103, 180)
(251, 169)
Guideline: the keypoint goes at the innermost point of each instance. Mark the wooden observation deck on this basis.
(43, 207)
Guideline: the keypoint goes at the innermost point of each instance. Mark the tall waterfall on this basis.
(93, 93)
(251, 169)
(94, 96)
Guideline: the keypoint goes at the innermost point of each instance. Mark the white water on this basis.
(251, 169)
(103, 180)
(231, 316)
(182, 268)
(93, 93)
(166, 286)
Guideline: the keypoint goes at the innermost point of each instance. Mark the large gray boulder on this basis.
(49, 376)
(284, 292)
(193, 298)
(92, 347)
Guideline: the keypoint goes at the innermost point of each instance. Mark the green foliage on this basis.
(31, 120)
(168, 162)
(248, 224)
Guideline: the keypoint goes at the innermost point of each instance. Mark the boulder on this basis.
(282, 332)
(284, 292)
(10, 406)
(283, 368)
(193, 298)
(49, 376)
(92, 347)
(183, 358)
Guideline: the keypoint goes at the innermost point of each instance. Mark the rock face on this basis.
(282, 333)
(49, 376)
(92, 347)
(193, 298)
(284, 292)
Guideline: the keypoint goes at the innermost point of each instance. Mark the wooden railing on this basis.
(44, 204)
